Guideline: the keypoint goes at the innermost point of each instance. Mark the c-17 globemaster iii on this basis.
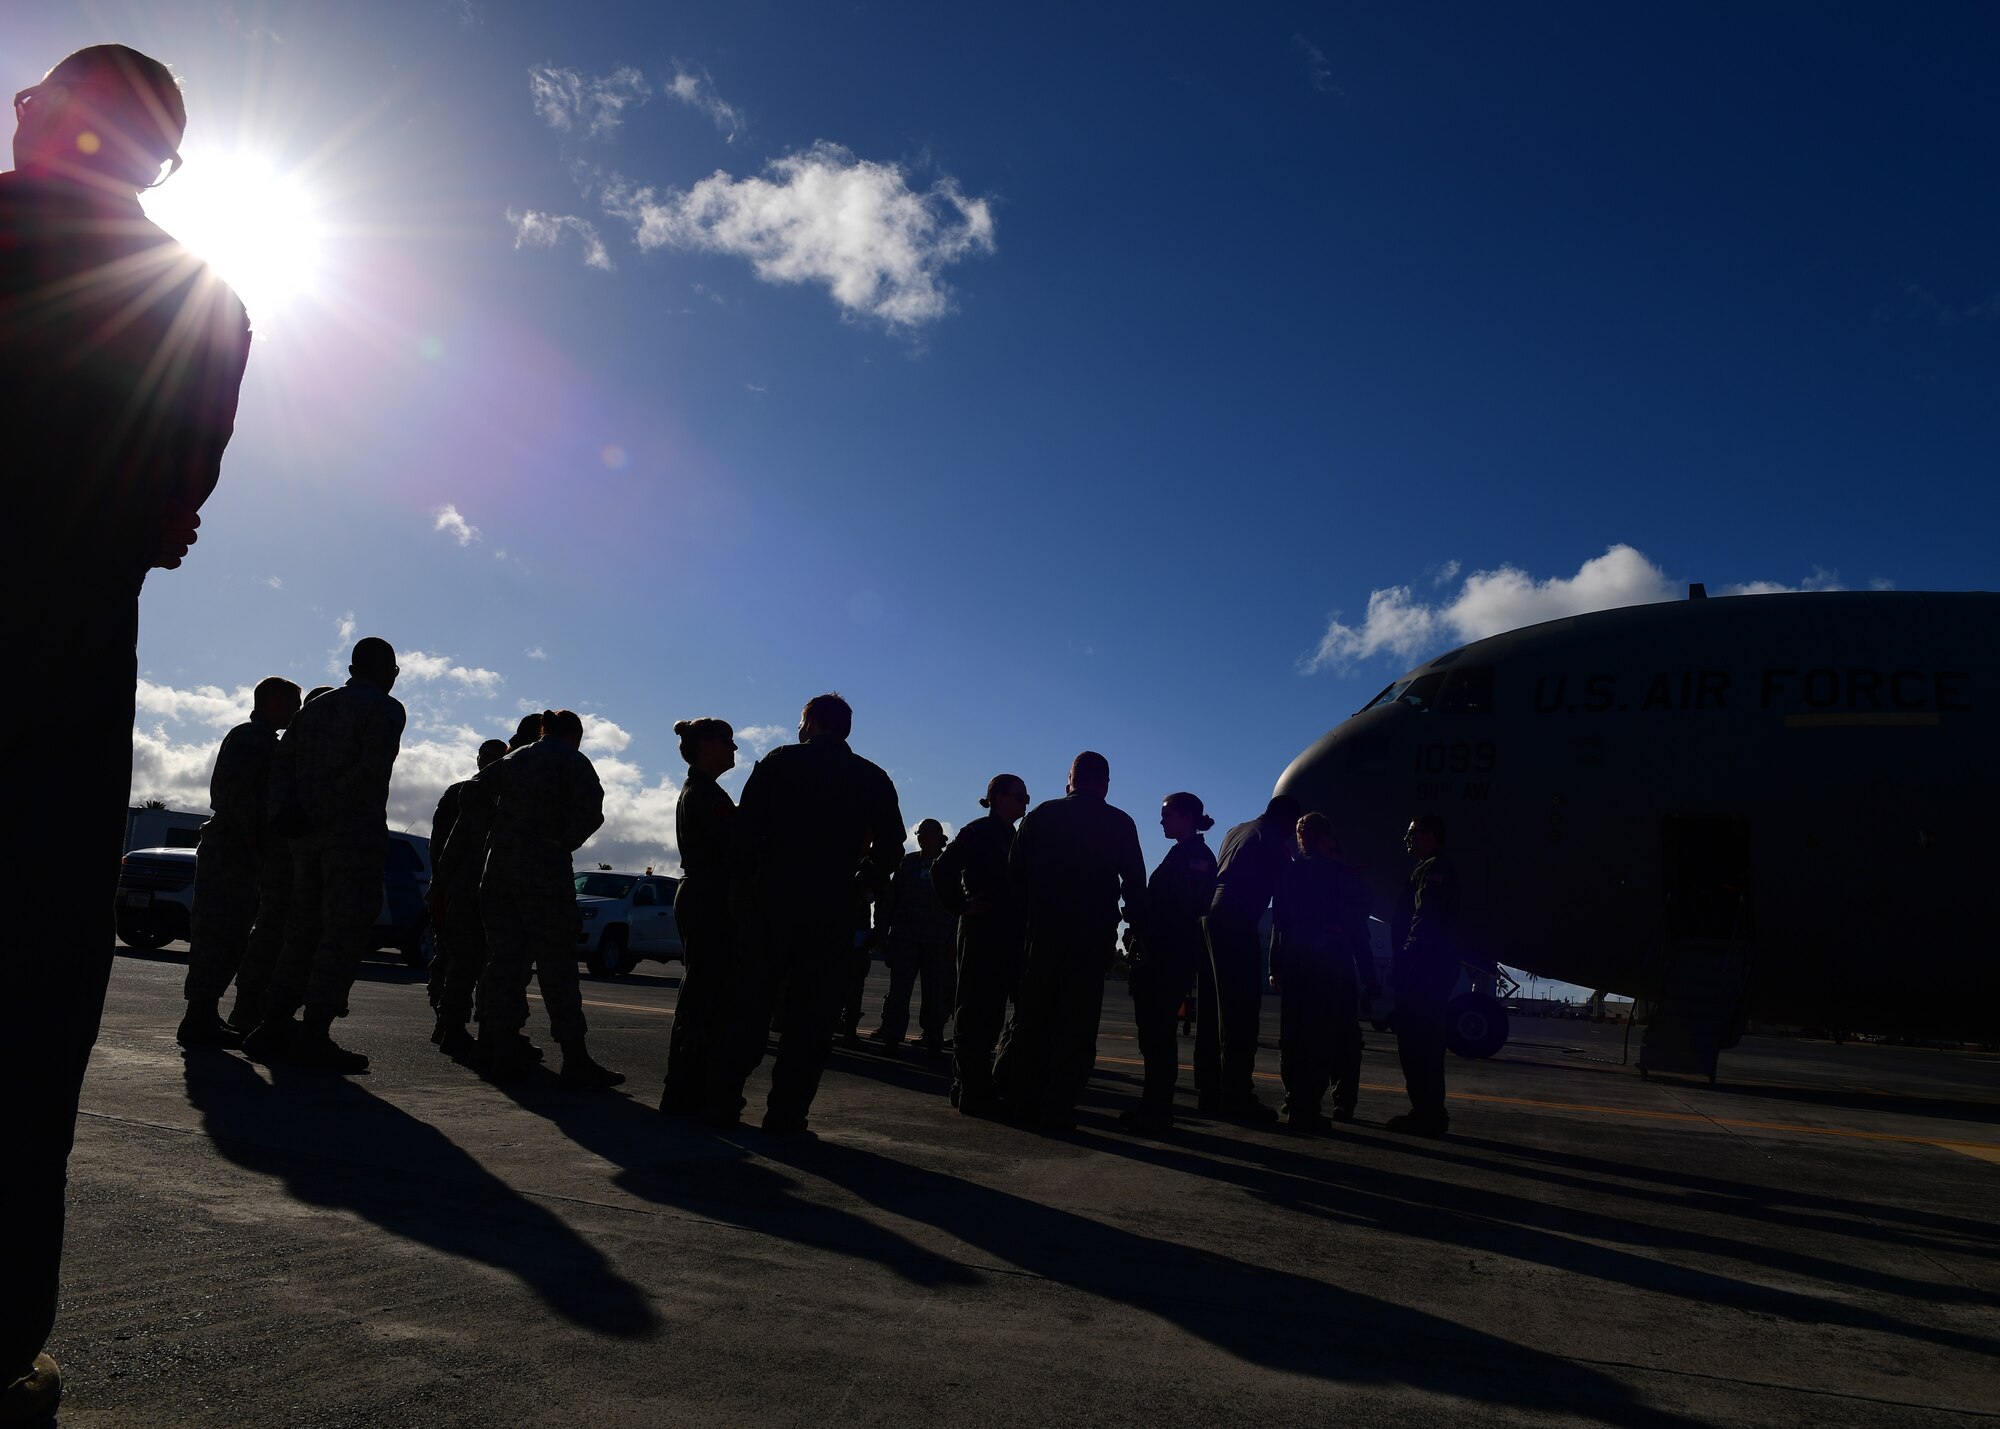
(1779, 807)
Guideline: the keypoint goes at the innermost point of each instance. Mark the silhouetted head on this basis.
(527, 731)
(1007, 797)
(930, 837)
(107, 114)
(1316, 837)
(315, 692)
(564, 726)
(827, 715)
(708, 745)
(492, 752)
(277, 699)
(1182, 817)
(1090, 773)
(375, 661)
(1283, 809)
(1425, 836)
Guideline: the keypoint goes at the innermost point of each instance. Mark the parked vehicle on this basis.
(627, 918)
(156, 897)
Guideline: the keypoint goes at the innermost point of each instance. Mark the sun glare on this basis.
(259, 227)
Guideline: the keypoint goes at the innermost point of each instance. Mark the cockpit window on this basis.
(1470, 691)
(1423, 691)
(1388, 696)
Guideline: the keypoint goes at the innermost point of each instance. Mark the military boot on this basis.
(502, 1056)
(451, 1038)
(203, 1027)
(270, 1039)
(313, 1047)
(580, 1071)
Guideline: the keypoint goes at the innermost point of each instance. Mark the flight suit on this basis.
(1072, 860)
(333, 767)
(231, 859)
(267, 933)
(703, 816)
(1232, 976)
(1424, 934)
(812, 814)
(1168, 960)
(971, 881)
(920, 932)
(546, 801)
(1319, 922)
(120, 360)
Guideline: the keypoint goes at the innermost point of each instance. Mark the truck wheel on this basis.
(1475, 1025)
(611, 959)
(144, 934)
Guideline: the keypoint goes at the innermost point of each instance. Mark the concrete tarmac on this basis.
(1813, 1241)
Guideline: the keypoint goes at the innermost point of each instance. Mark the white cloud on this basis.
(1318, 72)
(344, 628)
(204, 704)
(447, 520)
(274, 582)
(824, 216)
(420, 665)
(698, 92)
(592, 108)
(537, 653)
(1398, 622)
(758, 738)
(600, 734)
(164, 768)
(544, 230)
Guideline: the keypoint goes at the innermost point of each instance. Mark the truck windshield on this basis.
(604, 885)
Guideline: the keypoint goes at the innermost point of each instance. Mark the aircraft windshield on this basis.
(1468, 691)
(604, 885)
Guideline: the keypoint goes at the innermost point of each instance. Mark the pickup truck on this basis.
(627, 918)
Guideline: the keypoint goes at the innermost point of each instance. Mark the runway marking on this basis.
(1984, 1150)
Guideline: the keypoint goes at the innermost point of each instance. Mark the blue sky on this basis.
(1155, 380)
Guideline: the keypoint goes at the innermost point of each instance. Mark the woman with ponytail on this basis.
(1165, 960)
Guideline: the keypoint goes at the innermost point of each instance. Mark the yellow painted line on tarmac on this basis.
(1984, 1150)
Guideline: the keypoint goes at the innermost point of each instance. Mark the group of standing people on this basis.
(774, 901)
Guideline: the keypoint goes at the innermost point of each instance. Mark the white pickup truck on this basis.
(627, 918)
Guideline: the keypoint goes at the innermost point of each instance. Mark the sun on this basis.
(256, 224)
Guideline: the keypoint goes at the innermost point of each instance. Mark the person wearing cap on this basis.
(1165, 957)
(1072, 861)
(121, 356)
(916, 930)
(971, 881)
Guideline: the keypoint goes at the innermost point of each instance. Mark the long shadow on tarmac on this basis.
(1528, 1228)
(676, 1162)
(335, 1144)
(1264, 1316)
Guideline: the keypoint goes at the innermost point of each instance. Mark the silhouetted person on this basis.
(331, 774)
(231, 861)
(1073, 859)
(812, 813)
(546, 800)
(274, 898)
(120, 359)
(972, 882)
(1253, 857)
(1424, 934)
(1319, 931)
(918, 931)
(1167, 956)
(870, 887)
(458, 934)
(704, 818)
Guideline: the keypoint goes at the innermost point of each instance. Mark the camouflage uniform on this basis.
(267, 932)
(334, 764)
(458, 849)
(546, 801)
(231, 859)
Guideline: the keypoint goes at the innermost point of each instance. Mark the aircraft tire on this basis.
(1475, 1025)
